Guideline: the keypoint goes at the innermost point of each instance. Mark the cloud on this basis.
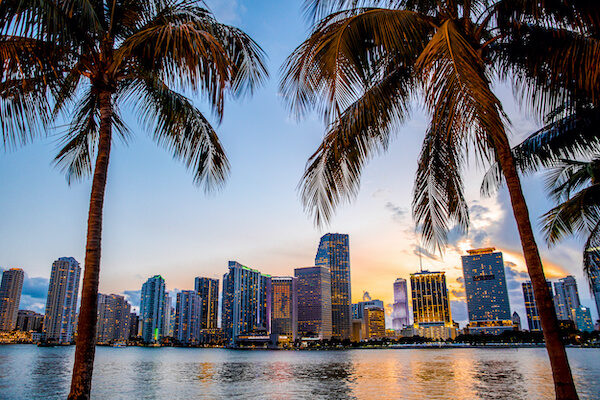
(418, 250)
(460, 313)
(133, 297)
(366, 296)
(227, 11)
(397, 212)
(381, 193)
(514, 277)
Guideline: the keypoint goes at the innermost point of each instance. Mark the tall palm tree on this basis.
(365, 61)
(92, 58)
(574, 185)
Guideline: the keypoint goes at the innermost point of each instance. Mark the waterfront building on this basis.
(334, 254)
(10, 297)
(487, 295)
(583, 319)
(284, 306)
(28, 320)
(357, 330)
(208, 290)
(594, 275)
(400, 313)
(516, 320)
(431, 307)
(169, 316)
(374, 324)
(113, 318)
(314, 301)
(59, 318)
(152, 309)
(188, 317)
(566, 298)
(358, 309)
(533, 316)
(134, 323)
(246, 301)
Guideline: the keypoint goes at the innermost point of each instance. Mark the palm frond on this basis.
(332, 68)
(332, 174)
(577, 216)
(438, 199)
(182, 129)
(591, 258)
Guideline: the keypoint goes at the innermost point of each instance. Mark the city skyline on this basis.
(155, 218)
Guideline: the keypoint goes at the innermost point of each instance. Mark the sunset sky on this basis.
(157, 222)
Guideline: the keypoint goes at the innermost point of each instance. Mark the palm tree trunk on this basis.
(561, 372)
(81, 382)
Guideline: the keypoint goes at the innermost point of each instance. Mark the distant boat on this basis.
(47, 343)
(119, 343)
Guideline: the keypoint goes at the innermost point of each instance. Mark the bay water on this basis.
(31, 372)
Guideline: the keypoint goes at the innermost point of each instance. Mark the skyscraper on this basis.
(284, 306)
(208, 290)
(374, 324)
(10, 297)
(400, 313)
(583, 319)
(334, 254)
(152, 309)
(188, 317)
(566, 298)
(431, 307)
(314, 301)
(113, 318)
(595, 287)
(59, 319)
(516, 320)
(358, 309)
(533, 316)
(246, 301)
(487, 296)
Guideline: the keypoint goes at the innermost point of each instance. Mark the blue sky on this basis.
(157, 222)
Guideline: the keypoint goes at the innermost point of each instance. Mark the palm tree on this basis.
(93, 58)
(363, 64)
(574, 185)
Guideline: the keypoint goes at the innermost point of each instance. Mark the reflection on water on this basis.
(29, 372)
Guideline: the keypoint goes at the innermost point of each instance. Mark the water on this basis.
(30, 372)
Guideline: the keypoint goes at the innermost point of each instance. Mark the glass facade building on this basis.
(487, 295)
(152, 309)
(595, 287)
(246, 301)
(208, 290)
(374, 324)
(284, 306)
(566, 298)
(188, 317)
(334, 254)
(314, 301)
(533, 316)
(431, 306)
(400, 312)
(10, 297)
(59, 318)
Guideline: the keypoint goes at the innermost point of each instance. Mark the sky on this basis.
(157, 222)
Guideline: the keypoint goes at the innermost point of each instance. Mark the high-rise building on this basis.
(487, 295)
(169, 316)
(59, 318)
(28, 320)
(314, 301)
(400, 313)
(595, 286)
(516, 320)
(566, 298)
(246, 301)
(374, 324)
(431, 306)
(358, 309)
(10, 297)
(284, 306)
(583, 319)
(533, 316)
(152, 309)
(113, 318)
(188, 317)
(208, 290)
(334, 254)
